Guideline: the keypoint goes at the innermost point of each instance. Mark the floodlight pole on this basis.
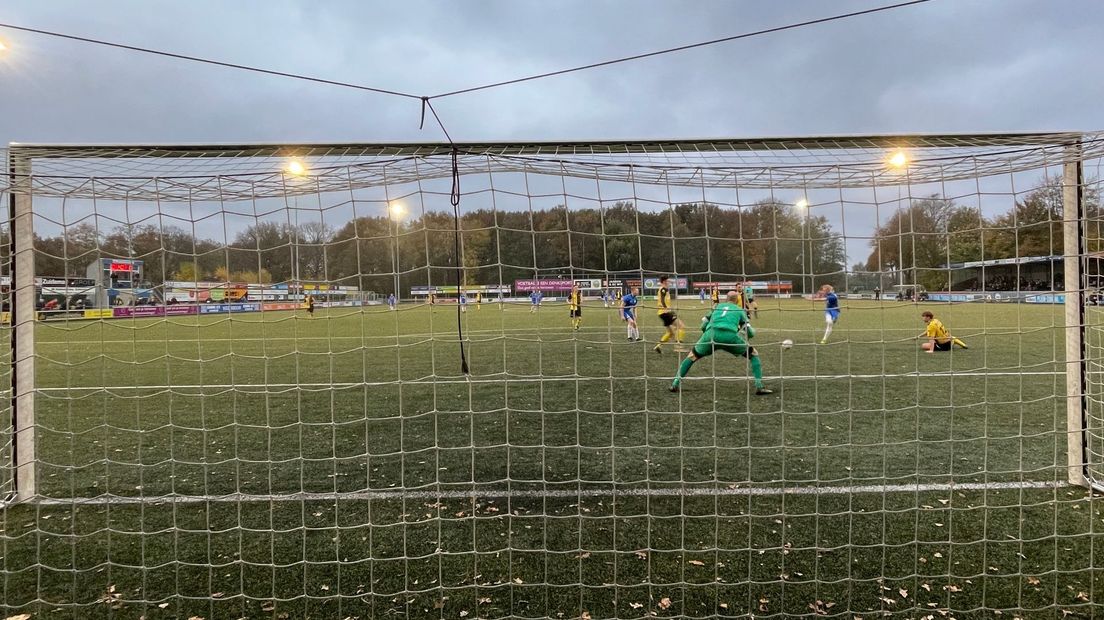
(22, 295)
(1079, 469)
(393, 228)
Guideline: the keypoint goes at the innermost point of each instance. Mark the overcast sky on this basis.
(946, 66)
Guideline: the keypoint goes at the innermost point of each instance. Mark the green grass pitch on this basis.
(560, 478)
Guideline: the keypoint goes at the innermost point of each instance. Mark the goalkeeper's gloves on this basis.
(750, 331)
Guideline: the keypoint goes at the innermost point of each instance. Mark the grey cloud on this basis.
(950, 65)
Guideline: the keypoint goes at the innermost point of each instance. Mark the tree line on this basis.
(931, 235)
(768, 240)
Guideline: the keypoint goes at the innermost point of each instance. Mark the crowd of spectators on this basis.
(1010, 283)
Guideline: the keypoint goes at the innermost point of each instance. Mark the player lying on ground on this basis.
(939, 339)
(722, 331)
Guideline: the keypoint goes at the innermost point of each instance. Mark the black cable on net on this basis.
(427, 102)
(680, 48)
(454, 199)
(425, 99)
(209, 61)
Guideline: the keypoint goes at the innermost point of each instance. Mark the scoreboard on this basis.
(116, 273)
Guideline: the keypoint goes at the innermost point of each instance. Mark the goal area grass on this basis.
(273, 464)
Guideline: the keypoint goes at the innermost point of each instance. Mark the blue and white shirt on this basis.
(831, 306)
(628, 309)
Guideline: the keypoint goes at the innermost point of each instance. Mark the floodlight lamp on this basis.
(296, 167)
(898, 159)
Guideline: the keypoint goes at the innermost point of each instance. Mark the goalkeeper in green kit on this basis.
(722, 331)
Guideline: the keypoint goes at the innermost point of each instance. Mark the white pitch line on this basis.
(432, 381)
(562, 493)
(520, 333)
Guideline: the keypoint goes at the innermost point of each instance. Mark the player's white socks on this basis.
(827, 331)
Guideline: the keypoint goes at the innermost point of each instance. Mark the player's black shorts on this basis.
(942, 346)
(577, 313)
(668, 318)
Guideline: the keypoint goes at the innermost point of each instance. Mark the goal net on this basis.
(436, 380)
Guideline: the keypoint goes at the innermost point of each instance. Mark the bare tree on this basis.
(311, 243)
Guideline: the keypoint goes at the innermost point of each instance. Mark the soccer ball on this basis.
(787, 343)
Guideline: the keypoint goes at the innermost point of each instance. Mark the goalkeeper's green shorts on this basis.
(715, 340)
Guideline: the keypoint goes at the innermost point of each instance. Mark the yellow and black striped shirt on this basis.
(937, 331)
(575, 299)
(664, 301)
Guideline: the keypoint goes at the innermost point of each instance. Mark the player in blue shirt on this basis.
(391, 301)
(628, 314)
(750, 305)
(701, 296)
(534, 300)
(463, 301)
(831, 310)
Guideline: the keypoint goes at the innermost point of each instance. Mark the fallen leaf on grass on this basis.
(903, 592)
(19, 617)
(1034, 581)
(664, 603)
(160, 606)
(696, 562)
(636, 605)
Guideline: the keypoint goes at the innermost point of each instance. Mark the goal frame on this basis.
(20, 189)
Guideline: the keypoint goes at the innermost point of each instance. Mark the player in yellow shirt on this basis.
(939, 339)
(716, 295)
(739, 301)
(666, 310)
(478, 300)
(575, 300)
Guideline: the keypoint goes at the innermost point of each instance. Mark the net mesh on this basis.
(231, 418)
